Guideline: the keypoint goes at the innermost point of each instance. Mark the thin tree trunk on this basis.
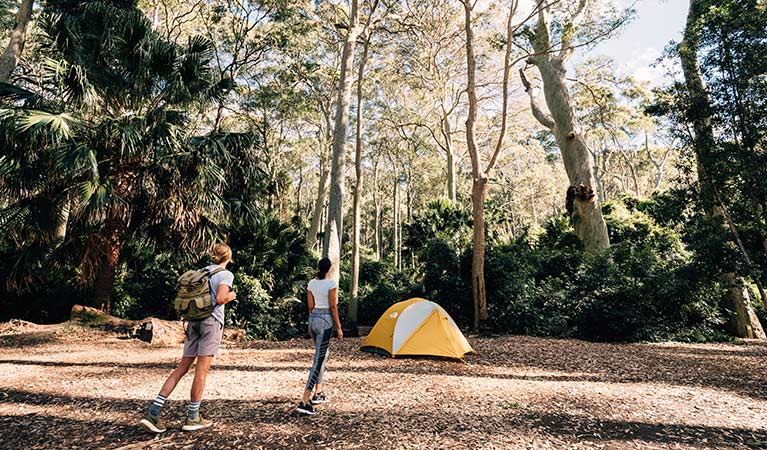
(478, 195)
(319, 203)
(12, 54)
(480, 175)
(335, 226)
(377, 219)
(598, 176)
(746, 322)
(354, 288)
(61, 229)
(446, 131)
(155, 15)
(395, 222)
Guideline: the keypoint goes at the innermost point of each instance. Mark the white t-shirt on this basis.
(320, 290)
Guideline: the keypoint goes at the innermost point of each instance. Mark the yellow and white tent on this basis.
(417, 327)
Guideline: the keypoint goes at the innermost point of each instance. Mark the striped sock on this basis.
(194, 410)
(157, 405)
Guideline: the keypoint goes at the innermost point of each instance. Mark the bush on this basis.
(647, 286)
(444, 282)
(395, 287)
(260, 316)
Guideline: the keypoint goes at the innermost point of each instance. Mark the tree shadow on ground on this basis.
(95, 423)
(583, 362)
(27, 339)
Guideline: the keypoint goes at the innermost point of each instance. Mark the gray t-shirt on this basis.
(224, 277)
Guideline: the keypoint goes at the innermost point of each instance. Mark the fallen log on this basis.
(152, 330)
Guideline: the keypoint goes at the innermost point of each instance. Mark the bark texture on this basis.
(10, 57)
(481, 175)
(585, 211)
(319, 203)
(357, 205)
(335, 227)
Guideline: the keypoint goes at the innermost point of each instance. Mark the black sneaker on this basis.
(306, 408)
(319, 398)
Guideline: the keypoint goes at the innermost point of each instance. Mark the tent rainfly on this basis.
(417, 327)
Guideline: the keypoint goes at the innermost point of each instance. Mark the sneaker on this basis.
(198, 424)
(319, 398)
(152, 424)
(306, 408)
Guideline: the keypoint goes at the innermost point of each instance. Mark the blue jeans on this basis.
(321, 327)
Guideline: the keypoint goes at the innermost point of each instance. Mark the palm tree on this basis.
(108, 145)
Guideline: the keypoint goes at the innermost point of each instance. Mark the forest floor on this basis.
(67, 387)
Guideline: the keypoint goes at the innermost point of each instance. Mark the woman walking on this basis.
(203, 339)
(322, 298)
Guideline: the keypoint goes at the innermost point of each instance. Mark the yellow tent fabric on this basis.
(417, 327)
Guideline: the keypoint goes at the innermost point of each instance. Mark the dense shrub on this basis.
(646, 287)
(45, 296)
(260, 315)
(391, 288)
(446, 281)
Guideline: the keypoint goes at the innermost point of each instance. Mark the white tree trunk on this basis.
(319, 203)
(582, 203)
(335, 228)
(10, 57)
(447, 132)
(395, 223)
(354, 288)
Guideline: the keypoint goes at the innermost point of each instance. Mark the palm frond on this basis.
(57, 126)
(13, 93)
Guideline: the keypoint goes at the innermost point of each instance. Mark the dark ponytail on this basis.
(324, 267)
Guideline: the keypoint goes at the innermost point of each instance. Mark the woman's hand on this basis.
(340, 333)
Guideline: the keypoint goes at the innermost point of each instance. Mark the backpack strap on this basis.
(210, 274)
(214, 271)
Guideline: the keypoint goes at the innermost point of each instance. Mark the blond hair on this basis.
(221, 253)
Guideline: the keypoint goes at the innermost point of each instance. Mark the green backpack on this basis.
(194, 300)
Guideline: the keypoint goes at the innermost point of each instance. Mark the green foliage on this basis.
(444, 279)
(646, 287)
(391, 288)
(441, 220)
(261, 316)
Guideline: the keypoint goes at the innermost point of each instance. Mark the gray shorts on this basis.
(203, 337)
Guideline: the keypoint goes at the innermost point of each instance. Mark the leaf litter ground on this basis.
(67, 387)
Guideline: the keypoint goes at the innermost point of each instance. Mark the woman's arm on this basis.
(310, 300)
(224, 294)
(333, 304)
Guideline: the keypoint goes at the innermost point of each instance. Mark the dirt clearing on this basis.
(64, 387)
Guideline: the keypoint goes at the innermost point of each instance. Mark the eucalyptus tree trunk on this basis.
(395, 222)
(354, 288)
(582, 203)
(744, 323)
(319, 202)
(447, 134)
(335, 227)
(598, 176)
(10, 57)
(480, 174)
(377, 219)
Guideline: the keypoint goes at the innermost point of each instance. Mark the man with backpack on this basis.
(201, 297)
